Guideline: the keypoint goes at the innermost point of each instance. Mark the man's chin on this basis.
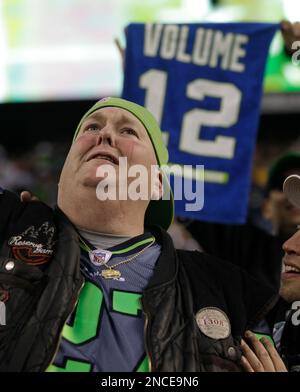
(290, 291)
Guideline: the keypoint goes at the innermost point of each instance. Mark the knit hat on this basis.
(159, 212)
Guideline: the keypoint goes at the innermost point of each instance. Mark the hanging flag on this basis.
(203, 83)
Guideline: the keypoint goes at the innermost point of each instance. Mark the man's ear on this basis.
(157, 186)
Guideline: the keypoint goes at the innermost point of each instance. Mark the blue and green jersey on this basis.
(105, 333)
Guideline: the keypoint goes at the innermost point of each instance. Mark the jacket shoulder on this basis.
(195, 261)
(241, 292)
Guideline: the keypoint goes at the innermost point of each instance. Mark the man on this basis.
(260, 356)
(286, 331)
(136, 304)
(282, 215)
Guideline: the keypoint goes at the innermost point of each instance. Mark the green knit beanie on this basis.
(159, 212)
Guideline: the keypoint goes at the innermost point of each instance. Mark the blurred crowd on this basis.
(36, 170)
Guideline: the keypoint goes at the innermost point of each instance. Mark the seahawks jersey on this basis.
(105, 333)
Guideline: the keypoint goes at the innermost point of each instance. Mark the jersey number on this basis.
(87, 320)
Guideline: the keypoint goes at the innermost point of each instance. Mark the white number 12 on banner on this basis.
(155, 83)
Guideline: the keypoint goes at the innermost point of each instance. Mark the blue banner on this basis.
(203, 83)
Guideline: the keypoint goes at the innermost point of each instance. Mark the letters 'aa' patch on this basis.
(213, 323)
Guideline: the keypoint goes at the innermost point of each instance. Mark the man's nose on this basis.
(292, 245)
(106, 136)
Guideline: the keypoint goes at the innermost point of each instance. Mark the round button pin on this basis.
(10, 265)
(213, 322)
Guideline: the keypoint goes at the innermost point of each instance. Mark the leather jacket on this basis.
(186, 283)
(197, 307)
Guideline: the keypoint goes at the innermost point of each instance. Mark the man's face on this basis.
(106, 135)
(290, 278)
(283, 215)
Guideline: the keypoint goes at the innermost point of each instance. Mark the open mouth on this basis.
(105, 157)
(290, 271)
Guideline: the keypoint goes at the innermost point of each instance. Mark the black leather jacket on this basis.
(186, 282)
(197, 307)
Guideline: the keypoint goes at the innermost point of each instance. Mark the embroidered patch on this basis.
(33, 246)
(213, 322)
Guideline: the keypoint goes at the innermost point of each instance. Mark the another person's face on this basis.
(290, 278)
(106, 135)
(283, 215)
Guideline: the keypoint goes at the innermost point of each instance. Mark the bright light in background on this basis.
(64, 49)
(247, 10)
(3, 52)
(59, 49)
(189, 11)
(292, 9)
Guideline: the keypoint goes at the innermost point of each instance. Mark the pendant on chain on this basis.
(110, 274)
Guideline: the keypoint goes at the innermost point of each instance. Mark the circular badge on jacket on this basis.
(213, 322)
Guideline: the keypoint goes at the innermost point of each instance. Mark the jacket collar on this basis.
(167, 264)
